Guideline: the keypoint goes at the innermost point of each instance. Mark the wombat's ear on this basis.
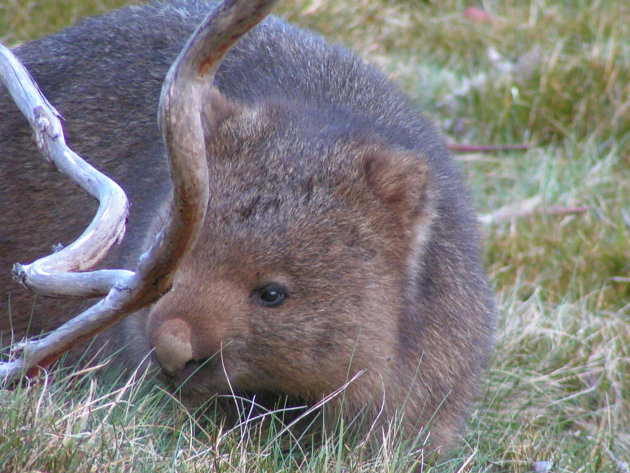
(402, 183)
(216, 108)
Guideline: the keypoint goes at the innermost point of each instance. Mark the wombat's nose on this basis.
(173, 345)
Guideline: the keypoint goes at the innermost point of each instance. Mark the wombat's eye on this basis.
(270, 295)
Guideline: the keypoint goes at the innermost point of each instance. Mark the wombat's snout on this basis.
(172, 346)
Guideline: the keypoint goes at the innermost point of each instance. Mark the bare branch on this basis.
(180, 121)
(51, 275)
(465, 148)
(527, 208)
(182, 93)
(560, 210)
(510, 211)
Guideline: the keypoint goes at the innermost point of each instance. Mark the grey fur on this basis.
(322, 111)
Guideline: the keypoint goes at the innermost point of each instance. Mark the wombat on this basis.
(339, 242)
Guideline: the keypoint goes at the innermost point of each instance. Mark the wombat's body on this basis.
(339, 238)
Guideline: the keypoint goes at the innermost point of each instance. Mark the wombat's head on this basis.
(296, 283)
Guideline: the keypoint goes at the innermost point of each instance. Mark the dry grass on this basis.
(557, 388)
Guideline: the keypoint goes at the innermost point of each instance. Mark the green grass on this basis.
(21, 20)
(557, 386)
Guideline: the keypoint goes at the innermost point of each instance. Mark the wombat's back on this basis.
(104, 76)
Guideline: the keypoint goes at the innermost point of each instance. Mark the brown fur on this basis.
(323, 181)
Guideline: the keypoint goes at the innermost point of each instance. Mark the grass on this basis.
(549, 73)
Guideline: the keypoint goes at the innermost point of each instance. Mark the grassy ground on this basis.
(549, 73)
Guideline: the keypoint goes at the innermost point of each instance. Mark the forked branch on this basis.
(180, 121)
(55, 275)
(59, 274)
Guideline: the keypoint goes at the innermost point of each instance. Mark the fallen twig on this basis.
(461, 148)
(619, 279)
(527, 208)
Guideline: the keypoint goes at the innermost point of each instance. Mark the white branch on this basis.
(51, 275)
(180, 121)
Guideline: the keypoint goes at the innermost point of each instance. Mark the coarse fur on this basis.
(323, 180)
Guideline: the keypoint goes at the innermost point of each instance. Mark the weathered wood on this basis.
(58, 274)
(180, 121)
